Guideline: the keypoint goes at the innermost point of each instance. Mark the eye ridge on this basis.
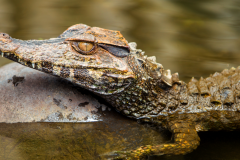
(79, 46)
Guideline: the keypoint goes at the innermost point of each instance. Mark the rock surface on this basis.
(28, 95)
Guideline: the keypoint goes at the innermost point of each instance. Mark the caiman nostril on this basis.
(4, 35)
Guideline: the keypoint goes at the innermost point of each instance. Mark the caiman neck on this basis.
(153, 90)
(148, 98)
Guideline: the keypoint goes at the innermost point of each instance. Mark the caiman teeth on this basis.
(8, 53)
(2, 54)
(33, 65)
(39, 66)
(119, 76)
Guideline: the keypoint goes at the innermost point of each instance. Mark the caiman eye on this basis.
(84, 47)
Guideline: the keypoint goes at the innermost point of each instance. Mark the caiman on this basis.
(102, 61)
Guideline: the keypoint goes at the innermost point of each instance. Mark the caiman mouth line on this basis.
(68, 72)
(41, 64)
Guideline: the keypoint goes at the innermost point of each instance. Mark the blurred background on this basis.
(193, 38)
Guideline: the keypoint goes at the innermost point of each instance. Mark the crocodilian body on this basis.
(103, 62)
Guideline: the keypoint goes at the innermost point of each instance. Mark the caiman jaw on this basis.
(101, 72)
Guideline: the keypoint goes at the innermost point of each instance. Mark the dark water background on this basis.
(193, 38)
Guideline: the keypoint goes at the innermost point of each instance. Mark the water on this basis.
(192, 38)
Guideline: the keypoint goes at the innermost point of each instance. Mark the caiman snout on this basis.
(4, 37)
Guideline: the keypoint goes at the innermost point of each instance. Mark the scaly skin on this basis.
(103, 62)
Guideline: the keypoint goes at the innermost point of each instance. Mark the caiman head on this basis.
(101, 61)
(91, 57)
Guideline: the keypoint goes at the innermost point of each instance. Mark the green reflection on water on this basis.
(71, 140)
